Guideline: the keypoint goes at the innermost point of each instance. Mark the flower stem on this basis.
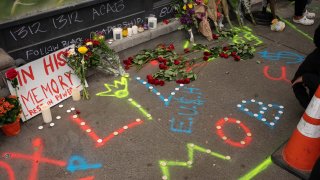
(16, 91)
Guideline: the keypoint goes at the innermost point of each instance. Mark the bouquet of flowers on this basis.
(10, 109)
(186, 14)
(93, 53)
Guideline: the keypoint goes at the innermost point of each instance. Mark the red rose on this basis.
(186, 50)
(11, 74)
(164, 62)
(89, 53)
(130, 58)
(221, 54)
(165, 21)
(225, 48)
(179, 81)
(156, 82)
(160, 59)
(187, 81)
(161, 66)
(149, 76)
(215, 36)
(171, 47)
(162, 46)
(161, 83)
(233, 53)
(176, 62)
(237, 58)
(205, 58)
(226, 56)
(95, 43)
(126, 62)
(151, 81)
(207, 54)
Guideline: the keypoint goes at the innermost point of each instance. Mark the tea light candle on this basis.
(140, 29)
(129, 32)
(125, 32)
(134, 29)
(75, 94)
(152, 22)
(46, 113)
(117, 33)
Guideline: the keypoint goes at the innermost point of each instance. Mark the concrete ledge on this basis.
(6, 61)
(145, 36)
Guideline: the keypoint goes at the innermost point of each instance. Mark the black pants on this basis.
(299, 7)
(305, 91)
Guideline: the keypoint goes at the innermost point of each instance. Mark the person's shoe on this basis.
(304, 20)
(309, 15)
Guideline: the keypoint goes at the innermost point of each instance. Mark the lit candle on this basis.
(117, 33)
(75, 94)
(129, 32)
(140, 29)
(152, 22)
(134, 29)
(46, 113)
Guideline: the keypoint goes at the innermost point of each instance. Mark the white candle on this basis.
(46, 113)
(117, 33)
(75, 94)
(152, 22)
(129, 32)
(134, 29)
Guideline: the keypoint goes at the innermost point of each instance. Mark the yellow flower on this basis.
(190, 5)
(184, 7)
(101, 37)
(83, 49)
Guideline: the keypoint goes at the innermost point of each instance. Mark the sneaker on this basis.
(304, 20)
(309, 15)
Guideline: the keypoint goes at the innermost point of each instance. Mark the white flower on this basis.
(89, 43)
(71, 52)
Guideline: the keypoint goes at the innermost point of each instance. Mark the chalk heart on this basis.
(263, 110)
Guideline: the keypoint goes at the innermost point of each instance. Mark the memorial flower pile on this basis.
(92, 53)
(179, 68)
(171, 66)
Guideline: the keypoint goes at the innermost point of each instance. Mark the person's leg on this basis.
(299, 7)
(301, 94)
(312, 81)
(299, 17)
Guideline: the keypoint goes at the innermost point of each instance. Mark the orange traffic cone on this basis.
(303, 148)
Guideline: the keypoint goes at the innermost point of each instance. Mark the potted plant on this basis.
(10, 111)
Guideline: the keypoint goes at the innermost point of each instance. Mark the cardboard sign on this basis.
(48, 80)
